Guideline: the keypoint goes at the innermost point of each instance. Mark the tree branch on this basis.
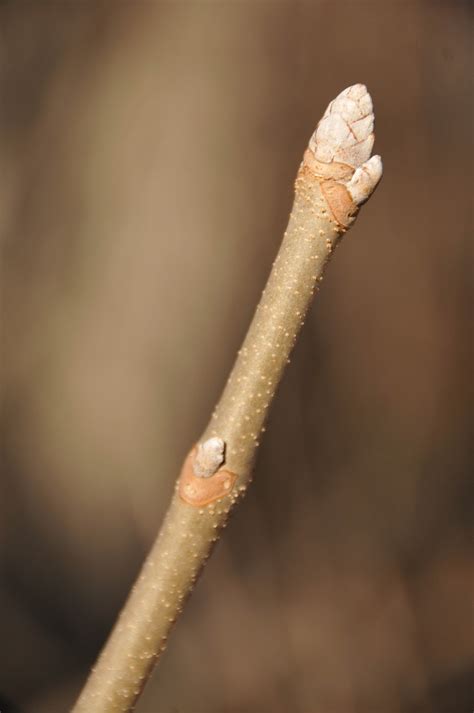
(334, 179)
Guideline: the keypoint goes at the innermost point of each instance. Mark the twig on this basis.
(334, 179)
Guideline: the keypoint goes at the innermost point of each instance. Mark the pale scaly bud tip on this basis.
(346, 132)
(345, 135)
(209, 457)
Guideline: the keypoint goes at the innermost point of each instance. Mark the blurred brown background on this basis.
(148, 151)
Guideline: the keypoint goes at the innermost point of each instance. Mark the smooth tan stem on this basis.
(217, 474)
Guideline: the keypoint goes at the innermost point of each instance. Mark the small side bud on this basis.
(209, 457)
(365, 180)
(199, 488)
